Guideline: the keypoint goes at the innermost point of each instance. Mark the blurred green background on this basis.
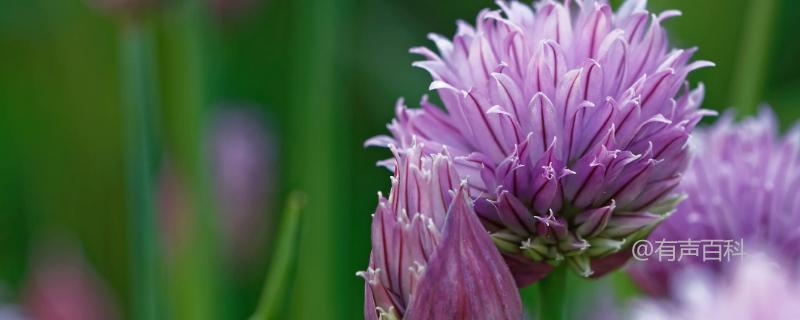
(323, 76)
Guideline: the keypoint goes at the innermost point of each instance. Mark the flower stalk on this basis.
(552, 295)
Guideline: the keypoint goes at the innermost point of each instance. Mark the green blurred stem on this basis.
(552, 295)
(197, 275)
(139, 91)
(750, 76)
(318, 131)
(283, 261)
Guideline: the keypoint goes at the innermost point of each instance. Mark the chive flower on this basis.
(571, 122)
(743, 185)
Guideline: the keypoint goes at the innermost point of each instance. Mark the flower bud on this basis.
(431, 257)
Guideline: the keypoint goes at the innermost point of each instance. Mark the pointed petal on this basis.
(467, 277)
(624, 225)
(544, 125)
(369, 304)
(591, 33)
(515, 215)
(545, 181)
(610, 263)
(613, 56)
(592, 222)
(486, 130)
(525, 271)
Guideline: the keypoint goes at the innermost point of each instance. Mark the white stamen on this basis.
(370, 275)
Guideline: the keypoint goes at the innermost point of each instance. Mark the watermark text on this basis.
(706, 250)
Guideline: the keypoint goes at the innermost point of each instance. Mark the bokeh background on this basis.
(253, 99)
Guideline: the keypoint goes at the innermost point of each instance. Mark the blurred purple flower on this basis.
(431, 258)
(243, 164)
(242, 160)
(743, 184)
(10, 312)
(62, 286)
(757, 290)
(572, 118)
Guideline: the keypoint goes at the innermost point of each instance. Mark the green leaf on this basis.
(283, 260)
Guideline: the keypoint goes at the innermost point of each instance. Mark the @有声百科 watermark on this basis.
(706, 250)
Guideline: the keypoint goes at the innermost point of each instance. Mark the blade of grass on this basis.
(283, 262)
(750, 75)
(140, 94)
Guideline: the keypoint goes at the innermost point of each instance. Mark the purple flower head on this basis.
(743, 184)
(758, 289)
(431, 257)
(572, 120)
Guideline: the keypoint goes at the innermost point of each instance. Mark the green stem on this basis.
(318, 131)
(553, 291)
(748, 81)
(139, 92)
(530, 300)
(197, 275)
(283, 262)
